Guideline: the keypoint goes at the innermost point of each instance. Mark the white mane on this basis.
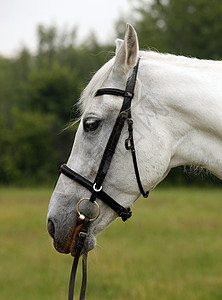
(163, 58)
(95, 83)
(177, 59)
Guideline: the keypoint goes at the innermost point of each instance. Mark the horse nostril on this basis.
(51, 228)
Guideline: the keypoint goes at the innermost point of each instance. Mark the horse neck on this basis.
(190, 94)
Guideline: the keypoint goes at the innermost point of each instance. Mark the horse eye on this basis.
(91, 125)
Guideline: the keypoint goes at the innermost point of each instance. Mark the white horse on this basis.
(177, 113)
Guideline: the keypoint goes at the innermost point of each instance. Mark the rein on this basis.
(79, 232)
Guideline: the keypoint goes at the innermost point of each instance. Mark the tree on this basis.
(188, 27)
(38, 94)
(53, 90)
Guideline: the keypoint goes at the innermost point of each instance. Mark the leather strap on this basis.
(79, 246)
(125, 114)
(73, 277)
(112, 91)
(122, 212)
(128, 94)
(129, 145)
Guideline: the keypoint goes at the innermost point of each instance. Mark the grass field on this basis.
(171, 249)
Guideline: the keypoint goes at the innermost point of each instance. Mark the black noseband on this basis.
(124, 213)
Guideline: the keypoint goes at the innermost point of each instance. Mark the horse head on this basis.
(97, 120)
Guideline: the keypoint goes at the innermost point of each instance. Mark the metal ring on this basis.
(87, 199)
(97, 190)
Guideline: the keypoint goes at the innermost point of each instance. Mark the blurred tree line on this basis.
(38, 91)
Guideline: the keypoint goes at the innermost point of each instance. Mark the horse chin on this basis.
(89, 245)
(60, 247)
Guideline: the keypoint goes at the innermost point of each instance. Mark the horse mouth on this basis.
(66, 242)
(71, 243)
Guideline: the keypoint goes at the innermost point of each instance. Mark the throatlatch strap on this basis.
(131, 147)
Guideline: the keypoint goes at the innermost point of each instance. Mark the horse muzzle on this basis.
(79, 232)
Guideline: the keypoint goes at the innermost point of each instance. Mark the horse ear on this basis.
(127, 51)
(118, 43)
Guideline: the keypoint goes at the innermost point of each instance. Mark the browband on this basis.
(114, 92)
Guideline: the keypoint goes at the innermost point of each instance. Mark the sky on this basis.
(19, 19)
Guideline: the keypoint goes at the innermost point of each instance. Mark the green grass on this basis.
(171, 249)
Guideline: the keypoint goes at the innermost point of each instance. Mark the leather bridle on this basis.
(79, 232)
